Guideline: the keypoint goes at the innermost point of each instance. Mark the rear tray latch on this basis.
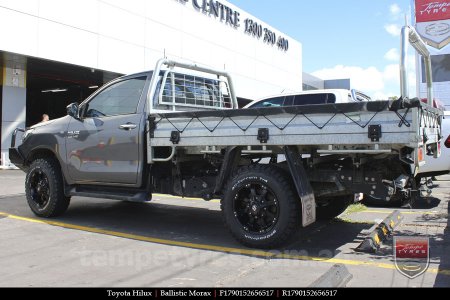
(263, 135)
(175, 137)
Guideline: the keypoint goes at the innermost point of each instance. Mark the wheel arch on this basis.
(41, 152)
(44, 152)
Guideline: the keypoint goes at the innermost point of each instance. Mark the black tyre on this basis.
(260, 207)
(331, 207)
(44, 189)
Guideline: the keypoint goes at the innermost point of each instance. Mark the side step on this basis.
(111, 193)
(380, 233)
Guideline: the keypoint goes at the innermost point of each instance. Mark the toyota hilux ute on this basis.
(177, 130)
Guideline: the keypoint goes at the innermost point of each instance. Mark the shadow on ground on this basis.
(428, 203)
(191, 223)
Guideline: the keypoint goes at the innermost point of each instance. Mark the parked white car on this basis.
(310, 98)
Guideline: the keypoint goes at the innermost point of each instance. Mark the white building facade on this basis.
(130, 36)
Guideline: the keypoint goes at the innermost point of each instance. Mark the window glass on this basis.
(310, 99)
(331, 98)
(118, 99)
(288, 101)
(271, 102)
(440, 66)
(194, 91)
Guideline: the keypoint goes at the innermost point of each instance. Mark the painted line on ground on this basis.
(11, 195)
(230, 250)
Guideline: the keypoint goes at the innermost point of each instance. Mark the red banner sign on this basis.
(411, 248)
(432, 10)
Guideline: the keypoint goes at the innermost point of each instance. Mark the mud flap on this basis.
(230, 161)
(304, 189)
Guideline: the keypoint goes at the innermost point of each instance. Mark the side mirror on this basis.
(73, 111)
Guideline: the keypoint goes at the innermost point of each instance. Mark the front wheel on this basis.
(260, 207)
(44, 189)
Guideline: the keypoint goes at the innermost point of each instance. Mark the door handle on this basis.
(127, 126)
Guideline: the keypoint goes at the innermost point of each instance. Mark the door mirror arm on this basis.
(73, 110)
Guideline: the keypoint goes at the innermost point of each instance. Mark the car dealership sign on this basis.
(433, 21)
(229, 16)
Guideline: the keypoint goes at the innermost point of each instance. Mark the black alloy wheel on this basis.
(39, 188)
(256, 207)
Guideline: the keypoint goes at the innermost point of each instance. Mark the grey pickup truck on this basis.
(178, 130)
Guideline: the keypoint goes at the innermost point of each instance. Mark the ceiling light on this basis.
(54, 91)
(93, 87)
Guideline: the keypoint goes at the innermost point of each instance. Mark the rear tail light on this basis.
(447, 142)
(420, 154)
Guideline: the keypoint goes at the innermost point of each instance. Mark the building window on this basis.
(307, 87)
(440, 64)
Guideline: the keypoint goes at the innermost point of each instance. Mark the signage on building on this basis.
(232, 17)
(433, 21)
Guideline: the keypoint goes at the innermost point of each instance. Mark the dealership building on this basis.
(56, 52)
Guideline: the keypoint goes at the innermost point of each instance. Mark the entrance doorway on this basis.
(51, 86)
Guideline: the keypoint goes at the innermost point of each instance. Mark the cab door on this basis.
(105, 145)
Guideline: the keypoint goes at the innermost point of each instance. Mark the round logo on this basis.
(437, 29)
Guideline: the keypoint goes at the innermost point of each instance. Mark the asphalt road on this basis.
(174, 242)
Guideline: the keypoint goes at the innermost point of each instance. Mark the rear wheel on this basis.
(44, 188)
(331, 207)
(260, 207)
